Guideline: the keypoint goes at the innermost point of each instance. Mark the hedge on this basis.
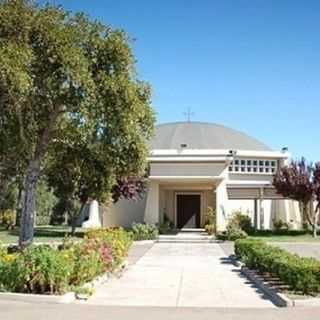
(300, 274)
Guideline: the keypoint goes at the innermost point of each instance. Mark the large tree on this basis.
(77, 172)
(68, 81)
(300, 181)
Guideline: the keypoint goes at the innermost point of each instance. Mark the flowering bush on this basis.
(117, 239)
(37, 269)
(45, 269)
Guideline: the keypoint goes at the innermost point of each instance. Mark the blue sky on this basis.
(253, 65)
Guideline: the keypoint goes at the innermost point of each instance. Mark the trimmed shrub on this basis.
(144, 231)
(301, 274)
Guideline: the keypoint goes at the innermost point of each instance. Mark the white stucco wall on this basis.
(186, 169)
(286, 210)
(222, 206)
(124, 212)
(151, 214)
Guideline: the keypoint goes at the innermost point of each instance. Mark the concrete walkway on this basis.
(181, 275)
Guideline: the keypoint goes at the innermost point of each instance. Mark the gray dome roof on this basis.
(201, 135)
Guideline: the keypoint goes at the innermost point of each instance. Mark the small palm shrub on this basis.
(166, 226)
(211, 225)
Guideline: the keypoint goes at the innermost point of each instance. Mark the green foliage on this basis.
(211, 221)
(87, 262)
(210, 229)
(234, 232)
(144, 231)
(301, 274)
(244, 222)
(280, 226)
(8, 199)
(8, 219)
(45, 202)
(71, 104)
(37, 269)
(210, 216)
(239, 226)
(117, 239)
(44, 269)
(84, 291)
(166, 225)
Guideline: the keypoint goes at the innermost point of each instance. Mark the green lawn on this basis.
(42, 234)
(287, 238)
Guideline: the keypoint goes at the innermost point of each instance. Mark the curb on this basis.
(38, 298)
(142, 242)
(279, 299)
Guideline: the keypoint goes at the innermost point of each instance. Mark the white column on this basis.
(151, 214)
(221, 206)
(94, 216)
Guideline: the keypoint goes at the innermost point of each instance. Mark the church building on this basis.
(197, 165)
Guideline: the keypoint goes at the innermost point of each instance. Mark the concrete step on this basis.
(195, 230)
(188, 241)
(187, 237)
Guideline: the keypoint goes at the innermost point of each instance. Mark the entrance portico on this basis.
(183, 201)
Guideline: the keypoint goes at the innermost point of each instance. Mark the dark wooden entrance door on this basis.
(188, 211)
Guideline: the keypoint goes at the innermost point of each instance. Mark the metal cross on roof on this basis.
(188, 114)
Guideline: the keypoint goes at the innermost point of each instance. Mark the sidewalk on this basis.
(181, 275)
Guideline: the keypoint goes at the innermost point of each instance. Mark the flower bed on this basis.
(302, 275)
(47, 270)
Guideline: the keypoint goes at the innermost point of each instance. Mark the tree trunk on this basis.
(31, 181)
(28, 209)
(314, 231)
(75, 218)
(19, 205)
